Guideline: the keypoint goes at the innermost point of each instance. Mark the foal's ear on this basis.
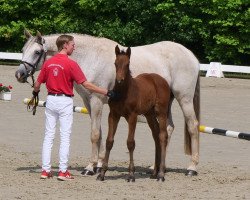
(117, 50)
(128, 52)
(27, 34)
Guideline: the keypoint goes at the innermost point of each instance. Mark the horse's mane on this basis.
(75, 35)
(82, 40)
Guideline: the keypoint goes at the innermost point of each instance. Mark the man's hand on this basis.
(35, 94)
(111, 94)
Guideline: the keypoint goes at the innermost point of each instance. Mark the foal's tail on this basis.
(196, 102)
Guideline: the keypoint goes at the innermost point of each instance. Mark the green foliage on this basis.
(230, 27)
(215, 30)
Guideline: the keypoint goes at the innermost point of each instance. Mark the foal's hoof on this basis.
(130, 179)
(87, 172)
(97, 170)
(100, 178)
(191, 173)
(161, 179)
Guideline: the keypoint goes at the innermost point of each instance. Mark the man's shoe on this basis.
(64, 176)
(45, 175)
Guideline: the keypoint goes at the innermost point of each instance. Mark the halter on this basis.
(34, 66)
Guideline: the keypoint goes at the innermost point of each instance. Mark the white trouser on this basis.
(57, 108)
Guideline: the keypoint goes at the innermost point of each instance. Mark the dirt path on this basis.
(223, 168)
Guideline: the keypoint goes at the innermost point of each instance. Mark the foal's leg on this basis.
(154, 126)
(163, 137)
(192, 136)
(170, 125)
(98, 152)
(113, 122)
(132, 119)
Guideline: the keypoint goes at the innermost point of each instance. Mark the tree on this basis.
(215, 30)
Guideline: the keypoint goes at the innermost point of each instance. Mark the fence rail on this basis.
(228, 68)
(10, 56)
(213, 69)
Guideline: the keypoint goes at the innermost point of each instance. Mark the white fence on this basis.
(10, 56)
(215, 69)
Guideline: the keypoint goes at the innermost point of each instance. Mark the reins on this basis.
(35, 99)
(31, 73)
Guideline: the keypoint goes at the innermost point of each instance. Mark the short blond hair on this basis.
(62, 39)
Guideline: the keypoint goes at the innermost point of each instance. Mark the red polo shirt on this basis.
(59, 72)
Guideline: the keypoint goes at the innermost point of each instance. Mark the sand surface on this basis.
(224, 168)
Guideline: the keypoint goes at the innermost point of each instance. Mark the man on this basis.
(59, 73)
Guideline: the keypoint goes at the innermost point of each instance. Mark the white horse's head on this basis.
(34, 54)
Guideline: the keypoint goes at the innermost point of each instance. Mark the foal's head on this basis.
(122, 63)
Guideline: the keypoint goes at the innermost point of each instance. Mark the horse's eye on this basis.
(37, 52)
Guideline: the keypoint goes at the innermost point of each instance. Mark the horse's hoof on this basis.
(191, 173)
(100, 178)
(87, 172)
(97, 170)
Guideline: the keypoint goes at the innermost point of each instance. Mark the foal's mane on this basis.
(122, 52)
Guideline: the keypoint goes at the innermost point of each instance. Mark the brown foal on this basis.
(147, 94)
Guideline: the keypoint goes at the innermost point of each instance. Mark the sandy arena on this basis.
(224, 168)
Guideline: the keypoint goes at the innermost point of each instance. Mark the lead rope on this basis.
(33, 102)
(33, 81)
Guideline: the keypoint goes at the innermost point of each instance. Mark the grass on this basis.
(9, 62)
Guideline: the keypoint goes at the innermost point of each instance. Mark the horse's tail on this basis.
(196, 102)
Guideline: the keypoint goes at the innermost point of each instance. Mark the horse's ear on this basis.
(27, 34)
(117, 50)
(38, 34)
(128, 52)
(39, 37)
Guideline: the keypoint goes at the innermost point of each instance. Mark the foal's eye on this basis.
(37, 52)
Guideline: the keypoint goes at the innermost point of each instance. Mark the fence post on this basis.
(214, 70)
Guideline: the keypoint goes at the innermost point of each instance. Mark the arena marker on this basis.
(43, 104)
(223, 132)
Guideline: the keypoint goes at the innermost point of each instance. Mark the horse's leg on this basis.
(113, 120)
(170, 123)
(191, 136)
(187, 93)
(154, 126)
(132, 120)
(96, 106)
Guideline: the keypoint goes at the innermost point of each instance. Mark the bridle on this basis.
(33, 67)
